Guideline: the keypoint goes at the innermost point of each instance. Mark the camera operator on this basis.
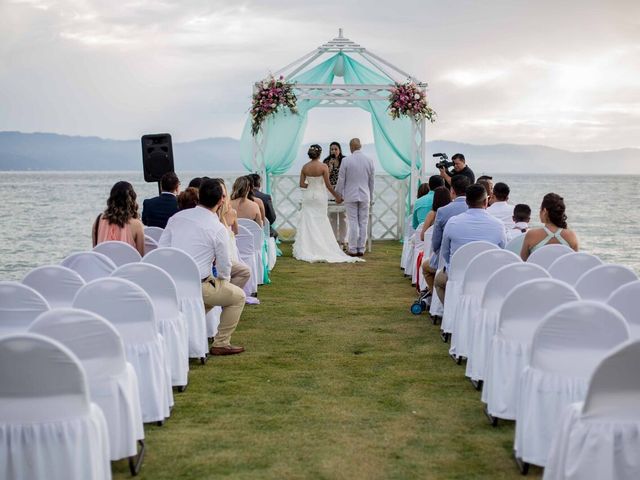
(459, 168)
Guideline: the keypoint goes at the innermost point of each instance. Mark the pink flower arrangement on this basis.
(272, 95)
(407, 99)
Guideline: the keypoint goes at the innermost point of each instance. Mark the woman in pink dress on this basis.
(120, 221)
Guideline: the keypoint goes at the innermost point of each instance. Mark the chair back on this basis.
(244, 241)
(426, 247)
(57, 284)
(120, 253)
(123, 304)
(149, 244)
(548, 254)
(41, 380)
(482, 266)
(154, 232)
(515, 244)
(573, 338)
(159, 286)
(89, 265)
(19, 306)
(256, 231)
(180, 267)
(570, 266)
(505, 279)
(626, 299)
(92, 339)
(600, 282)
(614, 389)
(526, 304)
(460, 260)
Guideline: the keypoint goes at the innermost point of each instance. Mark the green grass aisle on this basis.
(339, 380)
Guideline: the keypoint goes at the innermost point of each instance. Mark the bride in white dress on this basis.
(315, 241)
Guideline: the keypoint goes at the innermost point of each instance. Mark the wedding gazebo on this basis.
(338, 74)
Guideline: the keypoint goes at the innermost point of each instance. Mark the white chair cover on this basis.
(246, 252)
(129, 309)
(436, 308)
(522, 311)
(213, 321)
(570, 267)
(626, 299)
(566, 347)
(48, 426)
(473, 283)
(406, 246)
(418, 245)
(113, 384)
(546, 255)
(58, 285)
(184, 272)
(19, 306)
(149, 244)
(515, 244)
(496, 290)
(89, 265)
(154, 232)
(600, 282)
(272, 249)
(426, 248)
(258, 241)
(459, 263)
(120, 253)
(601, 438)
(171, 323)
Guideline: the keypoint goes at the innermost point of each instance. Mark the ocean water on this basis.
(47, 215)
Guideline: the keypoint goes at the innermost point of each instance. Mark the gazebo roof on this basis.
(340, 44)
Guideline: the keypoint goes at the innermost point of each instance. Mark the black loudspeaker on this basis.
(157, 156)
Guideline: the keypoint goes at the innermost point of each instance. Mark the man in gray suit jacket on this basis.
(355, 185)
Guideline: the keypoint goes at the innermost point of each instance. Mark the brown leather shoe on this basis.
(352, 254)
(226, 350)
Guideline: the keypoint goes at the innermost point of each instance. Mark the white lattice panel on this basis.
(387, 215)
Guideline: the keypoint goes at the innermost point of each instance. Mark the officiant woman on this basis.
(338, 220)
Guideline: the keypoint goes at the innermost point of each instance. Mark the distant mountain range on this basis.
(47, 151)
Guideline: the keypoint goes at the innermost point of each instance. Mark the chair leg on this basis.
(477, 384)
(203, 360)
(492, 420)
(181, 388)
(522, 465)
(445, 337)
(135, 462)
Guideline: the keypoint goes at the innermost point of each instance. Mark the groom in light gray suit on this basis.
(355, 185)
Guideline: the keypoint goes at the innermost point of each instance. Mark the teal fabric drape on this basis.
(284, 131)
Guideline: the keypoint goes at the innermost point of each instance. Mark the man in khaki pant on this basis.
(199, 232)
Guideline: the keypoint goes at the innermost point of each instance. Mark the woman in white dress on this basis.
(315, 241)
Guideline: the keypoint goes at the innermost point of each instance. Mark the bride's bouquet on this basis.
(407, 99)
(272, 95)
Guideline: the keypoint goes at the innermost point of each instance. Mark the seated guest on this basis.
(188, 198)
(199, 232)
(521, 218)
(156, 211)
(120, 220)
(554, 231)
(195, 182)
(459, 184)
(240, 273)
(251, 196)
(441, 198)
(240, 201)
(487, 182)
(472, 225)
(500, 208)
(269, 211)
(423, 204)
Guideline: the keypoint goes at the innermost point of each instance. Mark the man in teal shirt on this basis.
(424, 203)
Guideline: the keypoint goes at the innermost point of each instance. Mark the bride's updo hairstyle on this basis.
(314, 152)
(554, 204)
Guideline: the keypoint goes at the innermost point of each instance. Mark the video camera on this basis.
(444, 161)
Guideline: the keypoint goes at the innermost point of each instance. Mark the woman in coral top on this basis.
(120, 221)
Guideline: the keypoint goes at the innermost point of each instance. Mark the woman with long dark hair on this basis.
(338, 220)
(554, 229)
(120, 221)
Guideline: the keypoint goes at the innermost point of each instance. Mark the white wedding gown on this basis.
(315, 241)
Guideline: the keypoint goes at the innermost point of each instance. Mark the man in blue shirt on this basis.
(424, 203)
(459, 186)
(473, 225)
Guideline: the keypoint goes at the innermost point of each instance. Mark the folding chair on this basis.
(120, 253)
(570, 267)
(546, 255)
(89, 265)
(600, 282)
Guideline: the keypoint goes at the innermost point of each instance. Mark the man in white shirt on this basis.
(355, 186)
(199, 232)
(500, 208)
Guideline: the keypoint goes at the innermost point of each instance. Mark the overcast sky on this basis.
(559, 73)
